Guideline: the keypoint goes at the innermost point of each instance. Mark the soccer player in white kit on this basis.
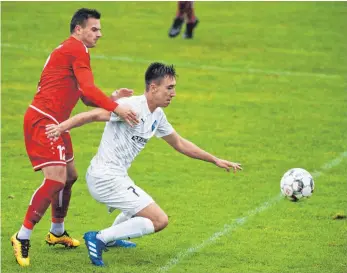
(107, 178)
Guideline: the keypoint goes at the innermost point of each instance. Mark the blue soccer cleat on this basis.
(121, 243)
(95, 248)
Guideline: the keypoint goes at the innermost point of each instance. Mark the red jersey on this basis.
(65, 77)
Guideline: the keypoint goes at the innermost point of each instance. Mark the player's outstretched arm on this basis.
(190, 149)
(122, 93)
(85, 80)
(98, 114)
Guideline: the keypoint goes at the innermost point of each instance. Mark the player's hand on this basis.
(127, 114)
(227, 165)
(121, 93)
(53, 131)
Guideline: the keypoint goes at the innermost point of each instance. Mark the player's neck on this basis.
(76, 37)
(150, 103)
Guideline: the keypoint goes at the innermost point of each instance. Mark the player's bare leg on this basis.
(154, 213)
(60, 205)
(54, 181)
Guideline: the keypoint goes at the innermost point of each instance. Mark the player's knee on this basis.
(161, 222)
(71, 180)
(51, 188)
(164, 221)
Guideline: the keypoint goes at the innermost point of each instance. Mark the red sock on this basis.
(60, 203)
(181, 6)
(190, 12)
(40, 201)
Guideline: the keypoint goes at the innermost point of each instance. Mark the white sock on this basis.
(120, 219)
(132, 228)
(57, 228)
(24, 233)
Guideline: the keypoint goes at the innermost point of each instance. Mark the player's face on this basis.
(91, 33)
(165, 91)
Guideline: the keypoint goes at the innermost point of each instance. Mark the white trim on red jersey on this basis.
(43, 113)
(69, 160)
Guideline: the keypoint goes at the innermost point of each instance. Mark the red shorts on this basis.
(42, 151)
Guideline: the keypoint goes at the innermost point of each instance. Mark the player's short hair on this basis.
(81, 16)
(158, 71)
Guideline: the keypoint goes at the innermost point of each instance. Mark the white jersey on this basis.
(120, 143)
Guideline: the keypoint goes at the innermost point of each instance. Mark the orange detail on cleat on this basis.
(64, 239)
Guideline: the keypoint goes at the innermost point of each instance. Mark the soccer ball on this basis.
(296, 184)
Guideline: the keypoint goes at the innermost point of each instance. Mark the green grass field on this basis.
(262, 83)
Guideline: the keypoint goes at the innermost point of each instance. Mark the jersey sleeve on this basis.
(85, 79)
(164, 127)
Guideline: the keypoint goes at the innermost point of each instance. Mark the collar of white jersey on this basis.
(146, 108)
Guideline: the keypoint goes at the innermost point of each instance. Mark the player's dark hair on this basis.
(81, 16)
(157, 72)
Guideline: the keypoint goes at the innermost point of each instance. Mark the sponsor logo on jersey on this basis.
(139, 139)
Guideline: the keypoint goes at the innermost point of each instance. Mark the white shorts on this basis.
(118, 193)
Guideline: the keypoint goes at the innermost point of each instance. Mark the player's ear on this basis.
(153, 87)
(78, 29)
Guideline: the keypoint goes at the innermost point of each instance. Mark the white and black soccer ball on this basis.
(297, 183)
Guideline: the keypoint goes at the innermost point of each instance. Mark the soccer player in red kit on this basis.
(184, 9)
(66, 77)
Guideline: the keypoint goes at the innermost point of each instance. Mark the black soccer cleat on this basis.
(188, 34)
(176, 27)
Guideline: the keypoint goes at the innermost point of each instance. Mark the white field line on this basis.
(187, 64)
(228, 228)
